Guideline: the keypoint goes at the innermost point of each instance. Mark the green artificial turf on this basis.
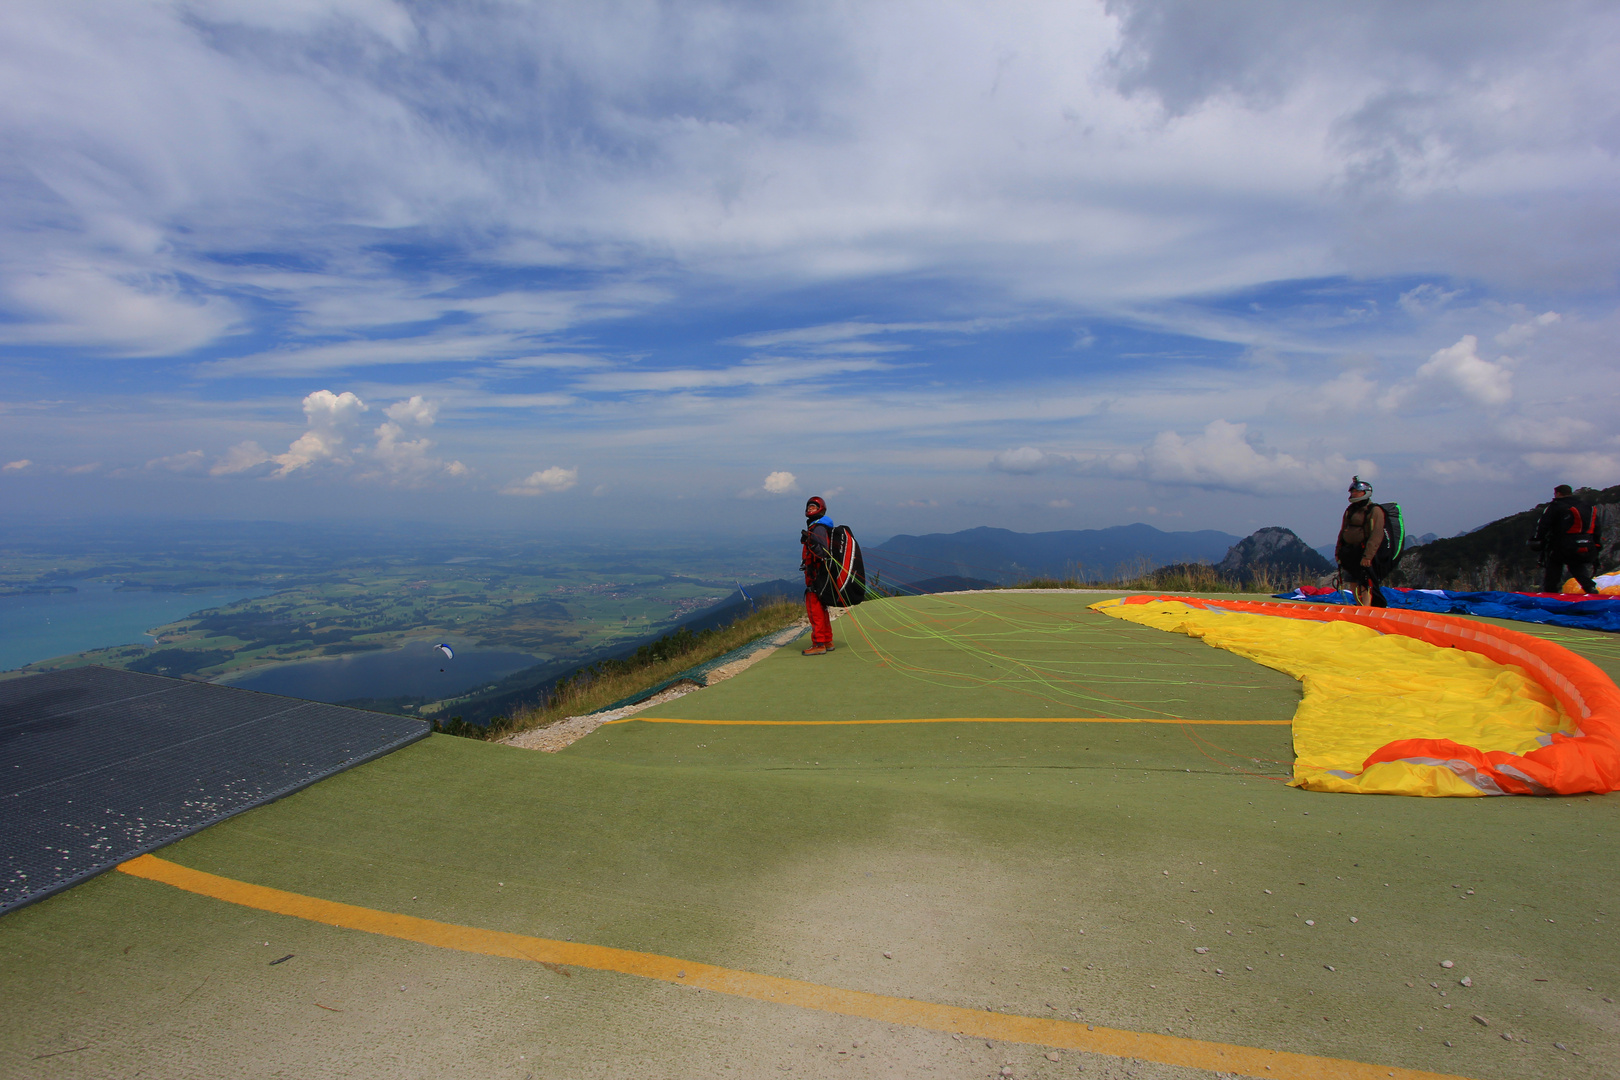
(985, 858)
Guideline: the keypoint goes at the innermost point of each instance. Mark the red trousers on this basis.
(820, 624)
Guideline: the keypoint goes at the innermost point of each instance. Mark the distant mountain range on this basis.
(1003, 556)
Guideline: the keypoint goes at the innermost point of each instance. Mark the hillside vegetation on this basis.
(1498, 555)
(598, 685)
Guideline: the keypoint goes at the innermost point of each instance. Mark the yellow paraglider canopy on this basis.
(1386, 711)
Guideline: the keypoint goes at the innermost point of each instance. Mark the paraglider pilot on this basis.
(816, 539)
(1568, 534)
(1361, 533)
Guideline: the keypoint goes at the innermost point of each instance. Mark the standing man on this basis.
(816, 540)
(1568, 534)
(1361, 534)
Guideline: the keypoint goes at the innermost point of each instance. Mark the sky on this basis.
(681, 265)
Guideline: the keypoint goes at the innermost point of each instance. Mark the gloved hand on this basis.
(804, 536)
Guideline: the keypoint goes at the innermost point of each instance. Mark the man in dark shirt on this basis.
(1568, 535)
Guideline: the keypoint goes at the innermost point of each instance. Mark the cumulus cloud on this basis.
(1519, 333)
(407, 461)
(415, 410)
(1222, 458)
(240, 458)
(334, 439)
(543, 482)
(189, 462)
(1457, 370)
(332, 419)
(1026, 461)
(779, 482)
(16, 466)
(403, 460)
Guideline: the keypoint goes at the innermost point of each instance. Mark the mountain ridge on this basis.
(1005, 556)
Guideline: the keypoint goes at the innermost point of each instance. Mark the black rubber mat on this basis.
(98, 766)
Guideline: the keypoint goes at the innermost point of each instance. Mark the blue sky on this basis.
(1038, 265)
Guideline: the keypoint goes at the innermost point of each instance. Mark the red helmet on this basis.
(816, 507)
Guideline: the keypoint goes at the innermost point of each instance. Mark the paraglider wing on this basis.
(449, 653)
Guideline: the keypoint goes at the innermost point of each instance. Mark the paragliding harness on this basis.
(1391, 548)
(1581, 537)
(838, 577)
(1389, 553)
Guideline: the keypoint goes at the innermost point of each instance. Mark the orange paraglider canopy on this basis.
(1583, 758)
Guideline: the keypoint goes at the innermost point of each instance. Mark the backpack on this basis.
(1390, 551)
(840, 579)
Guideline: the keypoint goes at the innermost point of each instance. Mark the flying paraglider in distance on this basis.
(449, 653)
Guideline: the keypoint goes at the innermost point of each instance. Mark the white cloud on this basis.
(134, 313)
(189, 462)
(1345, 393)
(543, 482)
(1426, 298)
(780, 483)
(383, 19)
(1221, 457)
(346, 355)
(1519, 333)
(1537, 433)
(240, 458)
(1465, 470)
(1060, 504)
(1027, 460)
(416, 410)
(16, 466)
(1578, 470)
(406, 462)
(762, 371)
(1455, 370)
(332, 418)
(333, 439)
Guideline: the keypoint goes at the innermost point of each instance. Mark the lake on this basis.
(415, 669)
(41, 626)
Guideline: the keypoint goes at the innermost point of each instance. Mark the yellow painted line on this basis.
(1038, 1031)
(946, 720)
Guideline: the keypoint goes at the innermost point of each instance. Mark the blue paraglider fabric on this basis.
(1598, 613)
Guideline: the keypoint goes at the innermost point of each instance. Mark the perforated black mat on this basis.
(98, 766)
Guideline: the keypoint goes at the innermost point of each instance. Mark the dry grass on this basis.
(602, 683)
